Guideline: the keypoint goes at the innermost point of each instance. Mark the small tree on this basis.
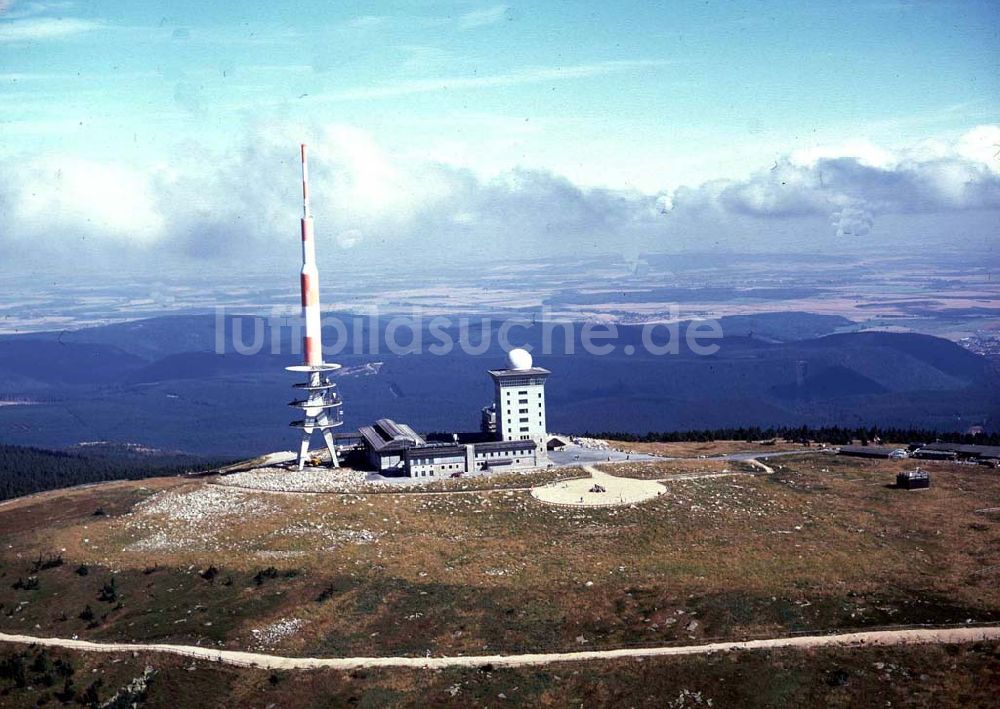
(109, 592)
(91, 695)
(67, 693)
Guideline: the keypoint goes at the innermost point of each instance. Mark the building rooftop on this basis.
(532, 372)
(970, 449)
(439, 451)
(386, 435)
(506, 446)
(872, 451)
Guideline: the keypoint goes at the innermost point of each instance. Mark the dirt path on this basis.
(278, 662)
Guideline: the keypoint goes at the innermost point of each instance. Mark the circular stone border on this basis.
(576, 492)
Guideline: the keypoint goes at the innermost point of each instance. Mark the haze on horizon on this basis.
(166, 132)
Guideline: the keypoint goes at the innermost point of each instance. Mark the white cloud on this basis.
(17, 10)
(483, 17)
(855, 182)
(366, 21)
(54, 199)
(982, 145)
(459, 83)
(42, 28)
(245, 204)
(862, 150)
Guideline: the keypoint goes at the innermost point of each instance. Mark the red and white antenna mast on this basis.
(322, 405)
(312, 341)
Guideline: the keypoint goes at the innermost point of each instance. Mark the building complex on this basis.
(516, 440)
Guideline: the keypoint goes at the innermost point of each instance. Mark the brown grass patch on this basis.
(821, 544)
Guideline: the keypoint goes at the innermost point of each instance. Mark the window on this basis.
(523, 429)
(522, 411)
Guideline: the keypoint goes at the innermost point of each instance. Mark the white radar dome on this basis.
(518, 359)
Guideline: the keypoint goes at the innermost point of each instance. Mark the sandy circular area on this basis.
(579, 492)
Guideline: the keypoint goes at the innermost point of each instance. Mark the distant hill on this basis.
(97, 384)
(784, 327)
(54, 362)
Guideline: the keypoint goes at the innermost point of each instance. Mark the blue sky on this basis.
(648, 97)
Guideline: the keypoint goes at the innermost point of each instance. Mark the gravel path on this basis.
(762, 466)
(278, 662)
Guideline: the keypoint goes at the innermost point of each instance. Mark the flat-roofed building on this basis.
(867, 451)
(969, 451)
(395, 449)
(497, 455)
(436, 461)
(519, 401)
(444, 460)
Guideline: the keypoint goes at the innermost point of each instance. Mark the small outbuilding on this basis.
(557, 443)
(932, 454)
(913, 480)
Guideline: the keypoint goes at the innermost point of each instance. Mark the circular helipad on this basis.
(599, 490)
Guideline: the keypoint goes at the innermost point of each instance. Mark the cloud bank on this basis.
(245, 203)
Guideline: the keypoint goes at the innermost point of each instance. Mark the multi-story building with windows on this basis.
(519, 401)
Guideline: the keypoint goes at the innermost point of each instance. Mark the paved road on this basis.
(775, 454)
(279, 662)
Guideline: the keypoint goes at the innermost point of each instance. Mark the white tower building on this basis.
(520, 400)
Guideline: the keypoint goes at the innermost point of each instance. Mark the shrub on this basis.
(50, 562)
(64, 668)
(109, 592)
(13, 668)
(91, 695)
(67, 693)
(30, 584)
(269, 573)
(42, 662)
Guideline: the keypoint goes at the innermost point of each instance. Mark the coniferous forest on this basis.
(24, 470)
(832, 435)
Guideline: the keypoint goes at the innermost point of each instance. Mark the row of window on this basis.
(430, 473)
(428, 461)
